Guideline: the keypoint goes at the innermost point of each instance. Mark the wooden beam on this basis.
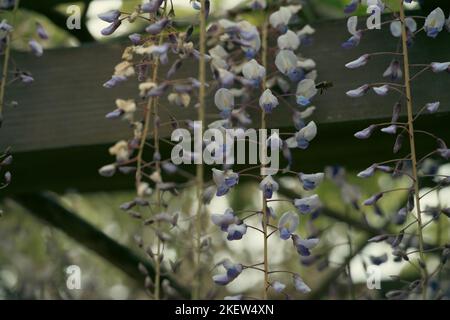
(60, 136)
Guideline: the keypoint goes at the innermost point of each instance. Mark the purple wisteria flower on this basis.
(351, 6)
(303, 246)
(361, 61)
(303, 137)
(243, 83)
(36, 48)
(278, 286)
(434, 23)
(268, 186)
(5, 26)
(352, 27)
(225, 220)
(288, 224)
(157, 27)
(280, 19)
(373, 199)
(287, 63)
(366, 133)
(224, 180)
(300, 285)
(253, 72)
(42, 33)
(381, 90)
(110, 16)
(151, 6)
(306, 90)
(232, 272)
(311, 181)
(358, 92)
(440, 66)
(268, 101)
(135, 38)
(230, 223)
(394, 71)
(308, 204)
(114, 81)
(236, 231)
(224, 101)
(109, 30)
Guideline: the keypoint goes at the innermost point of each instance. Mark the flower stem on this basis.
(200, 170)
(158, 199)
(413, 145)
(6, 64)
(263, 151)
(152, 104)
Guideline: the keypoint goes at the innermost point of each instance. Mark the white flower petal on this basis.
(361, 61)
(306, 88)
(224, 99)
(286, 60)
(352, 25)
(309, 132)
(396, 28)
(252, 70)
(381, 91)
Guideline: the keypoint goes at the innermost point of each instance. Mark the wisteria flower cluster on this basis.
(400, 74)
(160, 44)
(249, 81)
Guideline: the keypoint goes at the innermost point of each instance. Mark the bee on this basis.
(323, 86)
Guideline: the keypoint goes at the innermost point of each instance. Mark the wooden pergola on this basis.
(60, 137)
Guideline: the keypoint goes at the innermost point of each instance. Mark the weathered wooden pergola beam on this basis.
(60, 136)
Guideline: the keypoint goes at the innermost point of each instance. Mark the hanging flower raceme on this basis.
(160, 44)
(236, 58)
(125, 108)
